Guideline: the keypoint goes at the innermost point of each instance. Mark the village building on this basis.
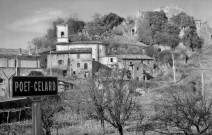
(141, 71)
(16, 62)
(18, 58)
(75, 58)
(139, 66)
(71, 62)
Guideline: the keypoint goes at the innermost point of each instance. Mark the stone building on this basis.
(14, 62)
(74, 62)
(75, 58)
(141, 71)
(205, 33)
(131, 62)
(139, 17)
(18, 58)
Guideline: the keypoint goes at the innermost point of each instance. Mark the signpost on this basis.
(27, 86)
(35, 87)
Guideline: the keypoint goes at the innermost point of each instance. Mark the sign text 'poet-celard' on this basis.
(34, 86)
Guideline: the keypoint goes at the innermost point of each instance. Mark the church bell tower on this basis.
(62, 33)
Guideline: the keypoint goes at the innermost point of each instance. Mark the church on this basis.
(75, 58)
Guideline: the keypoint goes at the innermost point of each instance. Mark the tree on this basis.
(183, 110)
(156, 20)
(112, 99)
(111, 20)
(38, 41)
(164, 57)
(97, 17)
(169, 35)
(183, 20)
(152, 24)
(151, 51)
(75, 26)
(49, 106)
(100, 27)
(192, 40)
(144, 35)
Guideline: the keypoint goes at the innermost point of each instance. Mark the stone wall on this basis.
(205, 33)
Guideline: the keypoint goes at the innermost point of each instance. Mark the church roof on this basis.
(134, 57)
(73, 51)
(83, 42)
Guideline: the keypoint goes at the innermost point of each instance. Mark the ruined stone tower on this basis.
(205, 33)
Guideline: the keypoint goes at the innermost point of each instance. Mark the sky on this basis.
(23, 20)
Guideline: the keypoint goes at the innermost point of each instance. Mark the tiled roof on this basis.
(134, 56)
(83, 42)
(7, 51)
(6, 99)
(80, 50)
(12, 56)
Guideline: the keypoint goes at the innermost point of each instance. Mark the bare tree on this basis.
(112, 98)
(49, 106)
(182, 111)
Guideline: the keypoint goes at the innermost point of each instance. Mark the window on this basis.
(85, 65)
(130, 63)
(62, 34)
(133, 31)
(137, 68)
(65, 72)
(137, 78)
(1, 81)
(15, 63)
(60, 62)
(78, 64)
(78, 56)
(74, 72)
(111, 59)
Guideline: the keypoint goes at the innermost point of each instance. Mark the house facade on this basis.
(75, 62)
(18, 58)
(137, 65)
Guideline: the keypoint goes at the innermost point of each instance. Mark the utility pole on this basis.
(173, 66)
(50, 60)
(203, 85)
(36, 116)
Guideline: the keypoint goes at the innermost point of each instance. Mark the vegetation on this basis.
(49, 107)
(183, 111)
(190, 37)
(112, 98)
(192, 40)
(101, 27)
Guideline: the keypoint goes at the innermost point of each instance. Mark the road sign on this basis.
(28, 86)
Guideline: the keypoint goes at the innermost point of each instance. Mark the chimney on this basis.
(20, 51)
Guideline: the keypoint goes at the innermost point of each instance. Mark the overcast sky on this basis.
(22, 20)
